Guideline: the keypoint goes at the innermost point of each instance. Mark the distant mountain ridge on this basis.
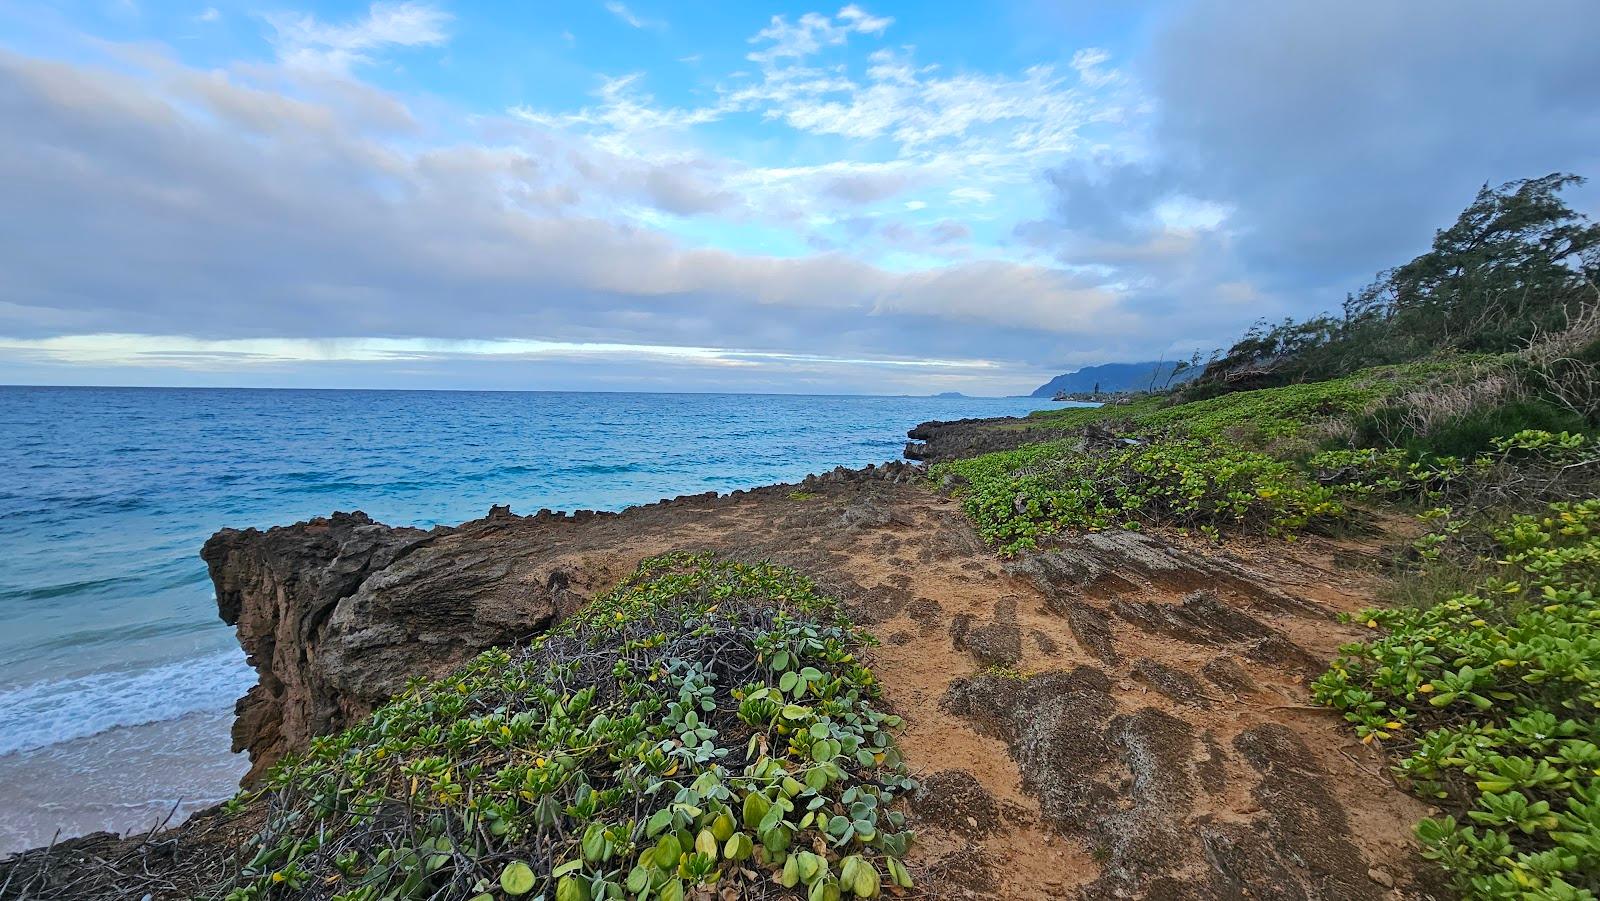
(1112, 377)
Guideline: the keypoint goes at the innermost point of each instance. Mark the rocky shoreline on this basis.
(1118, 714)
(337, 613)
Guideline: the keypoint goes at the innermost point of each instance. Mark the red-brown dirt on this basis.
(1116, 715)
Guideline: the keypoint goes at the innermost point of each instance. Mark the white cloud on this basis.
(950, 231)
(205, 200)
(893, 209)
(859, 20)
(1040, 113)
(626, 121)
(812, 32)
(623, 223)
(967, 136)
(628, 16)
(209, 14)
(303, 40)
(201, 353)
(870, 186)
(1087, 63)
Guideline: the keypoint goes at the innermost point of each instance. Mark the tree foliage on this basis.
(1516, 264)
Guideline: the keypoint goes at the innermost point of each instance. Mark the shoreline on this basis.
(922, 436)
(655, 460)
(338, 612)
(36, 759)
(181, 763)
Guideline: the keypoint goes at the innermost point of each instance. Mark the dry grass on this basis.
(1563, 375)
(1447, 400)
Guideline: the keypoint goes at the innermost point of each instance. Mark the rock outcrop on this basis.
(336, 614)
(1116, 714)
(1134, 783)
(932, 442)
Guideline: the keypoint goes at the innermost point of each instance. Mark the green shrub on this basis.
(1468, 434)
(1517, 457)
(1476, 431)
(1019, 496)
(1493, 696)
(1386, 473)
(705, 723)
(1517, 265)
(1265, 414)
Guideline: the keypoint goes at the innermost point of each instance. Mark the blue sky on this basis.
(875, 197)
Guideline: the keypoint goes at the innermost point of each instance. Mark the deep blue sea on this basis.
(116, 677)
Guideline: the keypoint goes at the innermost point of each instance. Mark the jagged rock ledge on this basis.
(936, 441)
(1117, 714)
(337, 613)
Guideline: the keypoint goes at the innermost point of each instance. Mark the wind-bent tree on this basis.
(1518, 262)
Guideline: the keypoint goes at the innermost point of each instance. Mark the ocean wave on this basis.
(600, 469)
(46, 713)
(83, 587)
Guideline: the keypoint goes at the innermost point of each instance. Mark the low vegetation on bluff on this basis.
(1489, 697)
(704, 730)
(1462, 388)
(708, 728)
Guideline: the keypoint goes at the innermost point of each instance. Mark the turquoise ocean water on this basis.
(117, 678)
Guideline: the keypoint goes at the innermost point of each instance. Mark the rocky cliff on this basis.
(335, 614)
(1115, 377)
(1115, 715)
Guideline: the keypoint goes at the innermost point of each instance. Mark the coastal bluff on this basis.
(336, 614)
(1117, 714)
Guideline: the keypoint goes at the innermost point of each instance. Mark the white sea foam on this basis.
(123, 780)
(53, 711)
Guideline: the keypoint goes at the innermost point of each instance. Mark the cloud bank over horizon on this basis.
(886, 199)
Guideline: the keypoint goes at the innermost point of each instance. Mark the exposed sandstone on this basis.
(336, 614)
(1130, 785)
(1143, 758)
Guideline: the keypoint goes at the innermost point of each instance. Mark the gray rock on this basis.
(335, 614)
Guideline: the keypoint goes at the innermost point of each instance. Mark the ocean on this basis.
(117, 679)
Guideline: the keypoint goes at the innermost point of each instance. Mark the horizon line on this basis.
(949, 395)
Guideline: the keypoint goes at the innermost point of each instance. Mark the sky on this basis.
(884, 197)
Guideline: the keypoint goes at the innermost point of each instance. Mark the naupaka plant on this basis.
(1493, 697)
(1020, 496)
(704, 730)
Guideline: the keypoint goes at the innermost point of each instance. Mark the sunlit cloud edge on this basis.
(178, 351)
